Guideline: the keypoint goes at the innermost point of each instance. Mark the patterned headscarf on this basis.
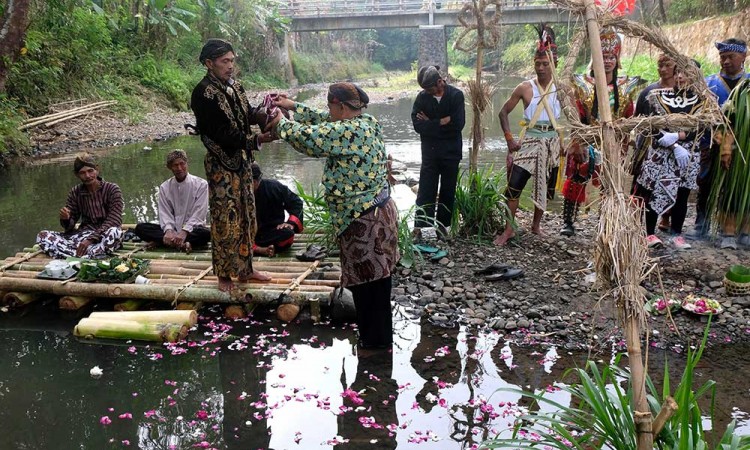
(731, 45)
(213, 49)
(428, 76)
(176, 154)
(84, 160)
(349, 94)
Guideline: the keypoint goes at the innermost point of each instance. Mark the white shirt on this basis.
(184, 205)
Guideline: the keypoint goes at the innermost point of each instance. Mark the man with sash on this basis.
(535, 155)
(732, 54)
(583, 161)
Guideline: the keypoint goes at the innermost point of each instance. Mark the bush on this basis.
(480, 210)
(12, 140)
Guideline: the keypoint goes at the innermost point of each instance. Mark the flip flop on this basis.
(492, 268)
(312, 253)
(437, 256)
(509, 273)
(426, 248)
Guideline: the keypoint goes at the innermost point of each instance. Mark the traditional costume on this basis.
(538, 157)
(664, 180)
(581, 169)
(100, 213)
(224, 116)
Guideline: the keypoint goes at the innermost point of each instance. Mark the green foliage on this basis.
(10, 120)
(396, 48)
(602, 413)
(168, 78)
(330, 67)
(643, 66)
(406, 246)
(317, 216)
(518, 57)
(461, 72)
(480, 210)
(685, 10)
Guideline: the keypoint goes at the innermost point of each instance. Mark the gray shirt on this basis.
(183, 206)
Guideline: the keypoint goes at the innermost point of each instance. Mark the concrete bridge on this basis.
(430, 16)
(322, 15)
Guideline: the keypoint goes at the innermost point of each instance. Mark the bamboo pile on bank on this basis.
(52, 119)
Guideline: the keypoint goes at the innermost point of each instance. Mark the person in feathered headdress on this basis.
(535, 153)
(583, 161)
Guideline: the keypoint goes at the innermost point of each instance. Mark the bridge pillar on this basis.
(433, 47)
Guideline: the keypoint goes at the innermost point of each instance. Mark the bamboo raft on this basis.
(174, 278)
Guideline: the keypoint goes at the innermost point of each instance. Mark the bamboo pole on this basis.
(73, 302)
(125, 329)
(20, 259)
(244, 294)
(48, 117)
(642, 415)
(15, 299)
(667, 410)
(315, 310)
(74, 115)
(183, 306)
(184, 317)
(269, 287)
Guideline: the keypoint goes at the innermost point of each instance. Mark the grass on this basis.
(480, 210)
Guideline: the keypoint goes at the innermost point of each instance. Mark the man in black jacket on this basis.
(438, 115)
(273, 201)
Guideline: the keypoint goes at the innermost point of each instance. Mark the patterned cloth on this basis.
(369, 246)
(659, 172)
(356, 162)
(63, 245)
(224, 116)
(537, 156)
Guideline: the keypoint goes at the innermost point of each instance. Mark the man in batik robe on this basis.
(224, 116)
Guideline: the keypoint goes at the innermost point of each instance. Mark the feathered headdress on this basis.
(611, 42)
(546, 42)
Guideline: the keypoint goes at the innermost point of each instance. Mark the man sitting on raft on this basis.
(98, 206)
(183, 208)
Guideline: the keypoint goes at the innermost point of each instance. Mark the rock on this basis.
(524, 323)
(533, 314)
(342, 306)
(715, 284)
(428, 275)
(511, 325)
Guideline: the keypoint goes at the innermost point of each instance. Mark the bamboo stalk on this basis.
(185, 317)
(233, 312)
(130, 304)
(124, 329)
(315, 310)
(269, 287)
(17, 299)
(183, 306)
(21, 259)
(73, 302)
(149, 291)
(667, 410)
(50, 116)
(74, 115)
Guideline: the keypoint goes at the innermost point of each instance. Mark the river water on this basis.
(260, 384)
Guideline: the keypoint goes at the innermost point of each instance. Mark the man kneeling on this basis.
(98, 205)
(183, 206)
(272, 199)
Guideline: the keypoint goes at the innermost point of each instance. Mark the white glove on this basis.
(668, 138)
(682, 155)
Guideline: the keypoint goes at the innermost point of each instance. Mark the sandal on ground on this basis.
(509, 273)
(426, 248)
(492, 268)
(437, 256)
(312, 253)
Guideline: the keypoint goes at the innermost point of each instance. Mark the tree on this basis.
(13, 25)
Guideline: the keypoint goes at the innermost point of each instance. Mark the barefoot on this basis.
(255, 275)
(502, 239)
(538, 231)
(264, 251)
(225, 284)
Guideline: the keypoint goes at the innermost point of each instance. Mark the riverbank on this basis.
(556, 302)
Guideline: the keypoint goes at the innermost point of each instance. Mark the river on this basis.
(260, 384)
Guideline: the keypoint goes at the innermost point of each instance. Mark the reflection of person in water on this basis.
(446, 368)
(380, 392)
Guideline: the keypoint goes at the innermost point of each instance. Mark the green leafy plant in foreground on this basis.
(603, 414)
(317, 216)
(480, 210)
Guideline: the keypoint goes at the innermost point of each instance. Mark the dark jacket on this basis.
(442, 142)
(271, 200)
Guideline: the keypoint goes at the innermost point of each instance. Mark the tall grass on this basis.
(480, 209)
(317, 216)
(603, 414)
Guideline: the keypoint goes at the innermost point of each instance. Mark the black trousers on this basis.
(436, 171)
(374, 319)
(705, 180)
(280, 239)
(152, 232)
(677, 213)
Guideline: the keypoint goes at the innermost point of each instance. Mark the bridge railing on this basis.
(325, 8)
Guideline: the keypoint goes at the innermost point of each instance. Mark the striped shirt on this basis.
(98, 211)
